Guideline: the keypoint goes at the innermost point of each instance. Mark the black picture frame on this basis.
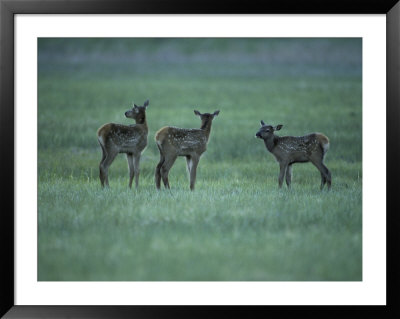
(8, 9)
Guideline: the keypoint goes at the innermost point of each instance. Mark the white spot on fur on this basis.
(325, 147)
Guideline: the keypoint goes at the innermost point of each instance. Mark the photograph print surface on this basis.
(161, 159)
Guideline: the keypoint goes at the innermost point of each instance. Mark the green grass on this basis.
(237, 224)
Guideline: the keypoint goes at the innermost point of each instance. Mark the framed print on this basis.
(155, 147)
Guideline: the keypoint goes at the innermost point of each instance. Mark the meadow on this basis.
(237, 225)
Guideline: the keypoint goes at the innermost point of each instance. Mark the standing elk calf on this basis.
(191, 143)
(129, 139)
(300, 149)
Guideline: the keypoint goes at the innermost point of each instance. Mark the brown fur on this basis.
(191, 143)
(296, 149)
(130, 139)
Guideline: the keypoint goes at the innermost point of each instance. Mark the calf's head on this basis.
(138, 113)
(206, 116)
(267, 131)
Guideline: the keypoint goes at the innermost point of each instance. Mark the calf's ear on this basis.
(197, 112)
(278, 127)
(146, 103)
(262, 123)
(216, 113)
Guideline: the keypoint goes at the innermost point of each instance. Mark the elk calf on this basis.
(290, 149)
(130, 139)
(191, 143)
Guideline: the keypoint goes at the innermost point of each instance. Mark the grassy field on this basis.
(237, 225)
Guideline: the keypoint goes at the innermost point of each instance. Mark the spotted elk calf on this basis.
(300, 149)
(129, 139)
(191, 143)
